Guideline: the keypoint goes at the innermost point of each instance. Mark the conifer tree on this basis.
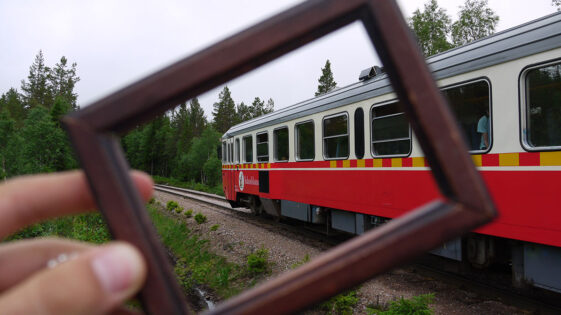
(326, 82)
(197, 117)
(270, 107)
(35, 91)
(7, 129)
(12, 102)
(243, 113)
(224, 112)
(62, 80)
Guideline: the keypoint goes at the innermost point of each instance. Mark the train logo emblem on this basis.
(241, 181)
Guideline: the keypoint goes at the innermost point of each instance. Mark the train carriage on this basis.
(348, 159)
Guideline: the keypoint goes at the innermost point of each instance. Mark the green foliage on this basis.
(85, 227)
(475, 20)
(224, 111)
(200, 218)
(196, 264)
(417, 305)
(45, 84)
(214, 227)
(45, 145)
(178, 210)
(171, 205)
(341, 304)
(257, 263)
(188, 213)
(431, 26)
(326, 82)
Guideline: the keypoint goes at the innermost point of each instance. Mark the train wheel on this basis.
(256, 206)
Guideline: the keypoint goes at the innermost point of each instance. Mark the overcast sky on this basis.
(115, 42)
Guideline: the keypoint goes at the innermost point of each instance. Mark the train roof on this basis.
(526, 39)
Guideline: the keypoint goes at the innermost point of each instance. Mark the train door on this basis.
(232, 182)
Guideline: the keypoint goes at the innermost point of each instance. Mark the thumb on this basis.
(95, 282)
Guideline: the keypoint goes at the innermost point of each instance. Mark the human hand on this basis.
(92, 280)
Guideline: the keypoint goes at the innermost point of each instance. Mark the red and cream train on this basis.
(348, 158)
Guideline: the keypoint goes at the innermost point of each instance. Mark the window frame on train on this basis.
(275, 144)
(237, 153)
(525, 107)
(324, 138)
(224, 152)
(297, 147)
(263, 157)
(371, 122)
(244, 146)
(476, 124)
(359, 132)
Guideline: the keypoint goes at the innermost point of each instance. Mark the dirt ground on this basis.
(236, 238)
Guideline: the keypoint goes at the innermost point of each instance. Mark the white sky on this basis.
(115, 42)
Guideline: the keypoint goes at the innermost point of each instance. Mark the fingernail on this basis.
(117, 267)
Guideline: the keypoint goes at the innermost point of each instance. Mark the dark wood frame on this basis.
(466, 204)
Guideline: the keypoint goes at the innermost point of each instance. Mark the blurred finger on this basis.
(29, 199)
(18, 260)
(96, 282)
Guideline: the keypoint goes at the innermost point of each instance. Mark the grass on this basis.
(341, 304)
(257, 263)
(214, 227)
(217, 190)
(196, 263)
(200, 218)
(417, 305)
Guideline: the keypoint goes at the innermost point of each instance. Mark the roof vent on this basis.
(370, 73)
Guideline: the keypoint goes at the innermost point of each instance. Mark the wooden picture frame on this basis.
(466, 204)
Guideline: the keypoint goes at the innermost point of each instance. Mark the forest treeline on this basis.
(181, 143)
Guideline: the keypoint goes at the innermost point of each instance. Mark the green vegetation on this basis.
(433, 27)
(188, 213)
(85, 227)
(326, 82)
(214, 227)
(417, 305)
(178, 210)
(257, 263)
(217, 190)
(171, 205)
(341, 304)
(200, 218)
(196, 264)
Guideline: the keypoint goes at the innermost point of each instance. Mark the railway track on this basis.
(535, 300)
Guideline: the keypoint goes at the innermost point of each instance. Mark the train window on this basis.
(230, 152)
(336, 136)
(391, 134)
(471, 106)
(542, 128)
(224, 152)
(280, 141)
(359, 133)
(248, 149)
(237, 152)
(262, 147)
(305, 150)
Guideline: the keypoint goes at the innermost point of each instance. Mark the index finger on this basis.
(29, 199)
